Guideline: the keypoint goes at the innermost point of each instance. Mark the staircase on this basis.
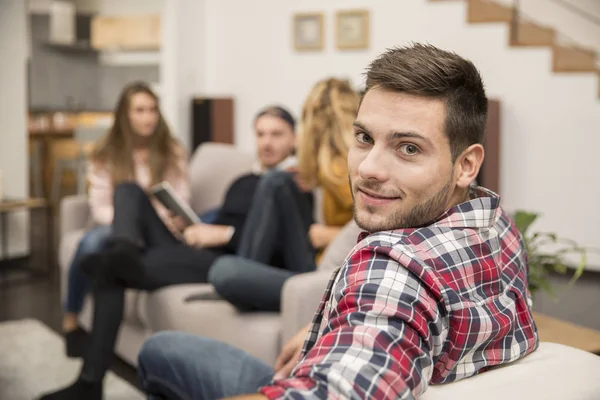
(566, 58)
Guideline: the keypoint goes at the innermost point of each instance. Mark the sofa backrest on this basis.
(335, 254)
(213, 168)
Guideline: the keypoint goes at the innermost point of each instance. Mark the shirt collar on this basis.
(479, 212)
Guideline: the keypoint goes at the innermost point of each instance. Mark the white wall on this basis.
(550, 122)
(13, 107)
(120, 7)
(183, 61)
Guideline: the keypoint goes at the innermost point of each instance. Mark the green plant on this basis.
(547, 253)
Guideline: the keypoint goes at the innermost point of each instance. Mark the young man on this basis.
(436, 289)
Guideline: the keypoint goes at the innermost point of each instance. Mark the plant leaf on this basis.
(580, 267)
(523, 219)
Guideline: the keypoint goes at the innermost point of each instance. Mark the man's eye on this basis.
(362, 137)
(409, 149)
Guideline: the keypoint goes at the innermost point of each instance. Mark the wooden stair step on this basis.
(488, 11)
(530, 34)
(572, 59)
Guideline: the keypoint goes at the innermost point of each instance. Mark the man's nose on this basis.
(374, 166)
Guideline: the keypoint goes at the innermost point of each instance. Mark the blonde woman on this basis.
(280, 219)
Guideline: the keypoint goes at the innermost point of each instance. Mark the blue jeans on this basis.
(278, 221)
(180, 366)
(247, 284)
(78, 285)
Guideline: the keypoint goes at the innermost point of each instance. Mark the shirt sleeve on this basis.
(377, 341)
(100, 193)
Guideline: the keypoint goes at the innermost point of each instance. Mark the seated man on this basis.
(436, 289)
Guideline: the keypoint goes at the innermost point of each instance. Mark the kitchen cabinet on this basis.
(126, 33)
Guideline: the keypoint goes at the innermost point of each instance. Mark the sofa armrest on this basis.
(74, 213)
(300, 298)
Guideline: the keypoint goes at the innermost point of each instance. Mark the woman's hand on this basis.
(303, 186)
(205, 235)
(176, 222)
(321, 235)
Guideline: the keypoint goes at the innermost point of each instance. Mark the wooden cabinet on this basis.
(212, 121)
(489, 174)
(140, 32)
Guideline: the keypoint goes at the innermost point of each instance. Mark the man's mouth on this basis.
(374, 198)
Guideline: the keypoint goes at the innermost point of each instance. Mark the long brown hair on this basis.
(115, 150)
(327, 117)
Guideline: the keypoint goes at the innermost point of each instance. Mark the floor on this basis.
(25, 296)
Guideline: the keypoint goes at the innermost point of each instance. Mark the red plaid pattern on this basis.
(419, 306)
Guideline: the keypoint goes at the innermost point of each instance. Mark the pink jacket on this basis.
(101, 189)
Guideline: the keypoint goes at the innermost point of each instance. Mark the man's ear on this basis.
(468, 165)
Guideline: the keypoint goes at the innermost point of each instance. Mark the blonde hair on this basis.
(115, 150)
(327, 117)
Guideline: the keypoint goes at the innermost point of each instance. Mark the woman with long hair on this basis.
(137, 152)
(280, 219)
(138, 148)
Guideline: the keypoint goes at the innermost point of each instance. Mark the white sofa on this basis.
(552, 372)
(212, 169)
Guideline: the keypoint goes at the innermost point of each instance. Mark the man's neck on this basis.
(458, 197)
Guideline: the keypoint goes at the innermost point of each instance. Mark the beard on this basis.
(419, 215)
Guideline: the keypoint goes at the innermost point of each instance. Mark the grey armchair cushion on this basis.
(300, 297)
(553, 371)
(342, 245)
(257, 333)
(74, 214)
(213, 168)
(302, 293)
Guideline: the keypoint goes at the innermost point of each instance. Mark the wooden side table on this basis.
(41, 233)
(557, 331)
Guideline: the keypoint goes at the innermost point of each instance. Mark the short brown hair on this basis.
(425, 70)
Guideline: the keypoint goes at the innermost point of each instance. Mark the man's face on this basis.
(400, 166)
(275, 140)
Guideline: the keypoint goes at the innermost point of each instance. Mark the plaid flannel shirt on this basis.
(414, 307)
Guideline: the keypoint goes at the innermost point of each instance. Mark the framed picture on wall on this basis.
(352, 29)
(308, 31)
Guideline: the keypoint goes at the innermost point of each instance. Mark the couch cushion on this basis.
(335, 254)
(257, 333)
(553, 371)
(213, 167)
(141, 307)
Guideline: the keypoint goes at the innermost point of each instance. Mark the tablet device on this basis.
(165, 193)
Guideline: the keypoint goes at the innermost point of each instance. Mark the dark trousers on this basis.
(278, 222)
(165, 261)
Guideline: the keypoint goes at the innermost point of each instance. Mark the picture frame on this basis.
(352, 29)
(308, 31)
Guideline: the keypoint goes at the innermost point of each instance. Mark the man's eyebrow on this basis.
(360, 126)
(410, 135)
